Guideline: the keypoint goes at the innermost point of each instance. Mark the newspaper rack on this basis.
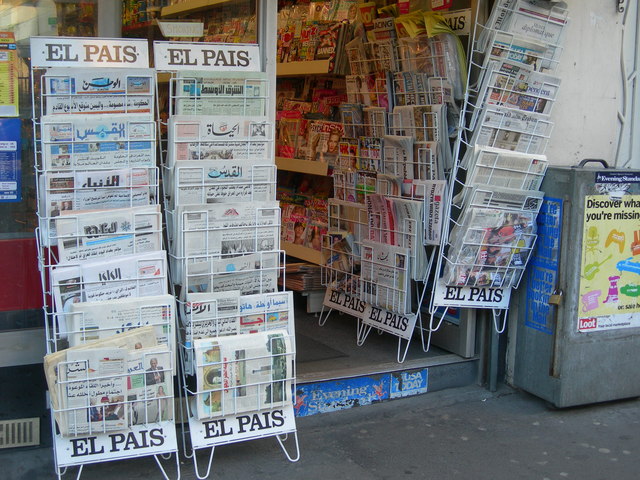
(504, 130)
(244, 407)
(378, 272)
(97, 192)
(122, 426)
(223, 225)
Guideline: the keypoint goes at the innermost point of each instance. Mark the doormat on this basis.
(309, 349)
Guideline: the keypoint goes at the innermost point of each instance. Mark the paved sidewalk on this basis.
(466, 433)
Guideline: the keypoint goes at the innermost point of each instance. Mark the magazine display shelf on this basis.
(378, 272)
(499, 158)
(310, 67)
(237, 344)
(402, 93)
(184, 8)
(111, 349)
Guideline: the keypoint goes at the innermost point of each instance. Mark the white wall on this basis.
(591, 93)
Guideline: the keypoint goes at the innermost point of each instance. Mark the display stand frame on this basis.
(476, 112)
(96, 441)
(208, 432)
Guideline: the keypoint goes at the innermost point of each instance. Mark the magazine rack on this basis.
(237, 347)
(505, 127)
(95, 150)
(400, 93)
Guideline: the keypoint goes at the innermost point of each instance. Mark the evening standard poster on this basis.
(610, 267)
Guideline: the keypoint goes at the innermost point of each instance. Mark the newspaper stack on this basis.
(111, 384)
(494, 236)
(224, 229)
(242, 373)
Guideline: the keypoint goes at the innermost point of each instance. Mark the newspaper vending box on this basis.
(578, 308)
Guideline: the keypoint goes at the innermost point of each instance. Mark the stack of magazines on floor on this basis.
(494, 235)
(111, 321)
(224, 227)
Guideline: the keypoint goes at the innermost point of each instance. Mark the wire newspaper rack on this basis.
(109, 322)
(222, 229)
(366, 257)
(401, 93)
(237, 344)
(499, 158)
(126, 407)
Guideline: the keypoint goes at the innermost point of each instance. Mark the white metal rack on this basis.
(407, 91)
(105, 404)
(237, 348)
(502, 113)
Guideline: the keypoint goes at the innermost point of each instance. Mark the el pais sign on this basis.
(89, 52)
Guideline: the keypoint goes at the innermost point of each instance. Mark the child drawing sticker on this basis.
(590, 300)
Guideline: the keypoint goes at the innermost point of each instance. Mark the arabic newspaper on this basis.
(84, 90)
(92, 190)
(250, 274)
(88, 321)
(226, 229)
(93, 393)
(212, 314)
(243, 373)
(86, 235)
(98, 141)
(220, 138)
(214, 181)
(221, 93)
(129, 340)
(150, 385)
(385, 276)
(139, 275)
(229, 313)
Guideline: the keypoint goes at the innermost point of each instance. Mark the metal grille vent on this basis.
(19, 433)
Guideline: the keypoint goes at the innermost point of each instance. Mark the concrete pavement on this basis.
(466, 433)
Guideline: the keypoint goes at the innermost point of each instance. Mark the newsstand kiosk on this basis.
(578, 307)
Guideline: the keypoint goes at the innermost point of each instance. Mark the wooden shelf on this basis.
(303, 253)
(189, 7)
(302, 166)
(143, 27)
(313, 67)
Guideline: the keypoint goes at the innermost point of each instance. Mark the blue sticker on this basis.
(407, 383)
(542, 273)
(10, 163)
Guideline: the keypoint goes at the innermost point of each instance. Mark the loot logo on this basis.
(588, 323)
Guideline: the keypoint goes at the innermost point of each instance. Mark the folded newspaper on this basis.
(221, 93)
(243, 373)
(224, 229)
(219, 138)
(98, 141)
(91, 388)
(97, 91)
(385, 274)
(88, 321)
(250, 274)
(215, 181)
(96, 234)
(137, 275)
